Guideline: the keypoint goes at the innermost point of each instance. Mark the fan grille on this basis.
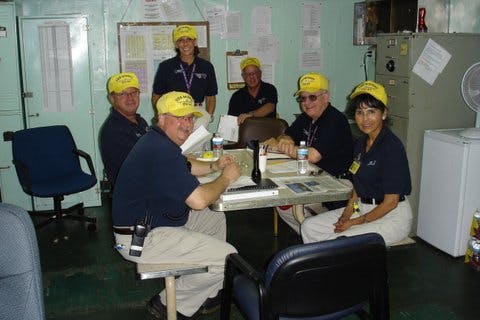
(471, 87)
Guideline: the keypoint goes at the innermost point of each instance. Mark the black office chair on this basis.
(316, 281)
(258, 129)
(21, 290)
(47, 162)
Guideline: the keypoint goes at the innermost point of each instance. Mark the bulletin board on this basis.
(142, 46)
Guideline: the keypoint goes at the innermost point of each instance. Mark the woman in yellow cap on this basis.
(381, 178)
(186, 72)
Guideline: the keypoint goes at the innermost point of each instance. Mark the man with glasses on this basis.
(187, 72)
(158, 182)
(257, 98)
(324, 129)
(124, 126)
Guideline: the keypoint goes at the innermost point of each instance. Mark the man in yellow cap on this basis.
(325, 131)
(188, 73)
(124, 126)
(257, 98)
(157, 181)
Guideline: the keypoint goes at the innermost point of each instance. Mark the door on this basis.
(57, 86)
(10, 106)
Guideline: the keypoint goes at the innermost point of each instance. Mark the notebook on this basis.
(265, 188)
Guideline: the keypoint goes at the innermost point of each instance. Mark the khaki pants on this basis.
(200, 241)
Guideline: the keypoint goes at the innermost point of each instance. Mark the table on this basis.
(341, 189)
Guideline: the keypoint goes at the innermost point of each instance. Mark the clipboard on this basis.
(234, 74)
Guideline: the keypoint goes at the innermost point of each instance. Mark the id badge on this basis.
(354, 167)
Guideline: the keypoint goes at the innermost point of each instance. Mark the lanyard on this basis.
(310, 135)
(188, 82)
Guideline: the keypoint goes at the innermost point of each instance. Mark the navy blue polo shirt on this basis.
(242, 102)
(330, 135)
(170, 77)
(383, 169)
(154, 180)
(118, 135)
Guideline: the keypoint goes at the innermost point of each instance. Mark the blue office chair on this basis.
(47, 162)
(316, 281)
(21, 291)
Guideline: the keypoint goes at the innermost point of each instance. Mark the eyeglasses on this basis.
(251, 74)
(125, 94)
(182, 118)
(311, 97)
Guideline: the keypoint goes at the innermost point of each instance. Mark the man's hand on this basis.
(223, 161)
(242, 117)
(232, 172)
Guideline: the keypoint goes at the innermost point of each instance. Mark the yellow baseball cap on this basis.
(374, 89)
(250, 61)
(121, 81)
(177, 103)
(184, 31)
(312, 82)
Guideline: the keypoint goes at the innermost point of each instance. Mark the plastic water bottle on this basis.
(217, 145)
(302, 158)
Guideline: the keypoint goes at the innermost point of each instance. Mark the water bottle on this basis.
(217, 145)
(302, 158)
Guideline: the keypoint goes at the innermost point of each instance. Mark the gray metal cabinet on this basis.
(415, 105)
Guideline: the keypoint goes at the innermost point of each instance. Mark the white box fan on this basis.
(471, 94)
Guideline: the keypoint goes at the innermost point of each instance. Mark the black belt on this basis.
(123, 230)
(378, 201)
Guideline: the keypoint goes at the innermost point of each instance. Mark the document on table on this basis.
(288, 166)
(303, 184)
(228, 128)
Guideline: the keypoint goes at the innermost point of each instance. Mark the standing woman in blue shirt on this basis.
(381, 178)
(186, 72)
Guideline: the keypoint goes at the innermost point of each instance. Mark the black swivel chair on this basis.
(316, 281)
(47, 162)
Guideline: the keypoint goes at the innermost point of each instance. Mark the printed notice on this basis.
(431, 62)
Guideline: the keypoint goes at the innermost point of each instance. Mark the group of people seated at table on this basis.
(154, 181)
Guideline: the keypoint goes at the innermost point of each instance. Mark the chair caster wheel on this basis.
(92, 227)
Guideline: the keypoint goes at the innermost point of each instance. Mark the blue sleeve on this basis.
(395, 172)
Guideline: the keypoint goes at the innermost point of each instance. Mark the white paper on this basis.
(311, 60)
(311, 15)
(216, 18)
(262, 20)
(199, 137)
(268, 72)
(288, 166)
(265, 48)
(234, 73)
(228, 128)
(163, 10)
(431, 62)
(311, 39)
(232, 25)
(56, 65)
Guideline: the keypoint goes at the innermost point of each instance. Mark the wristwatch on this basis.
(212, 117)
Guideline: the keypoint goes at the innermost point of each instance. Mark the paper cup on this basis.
(262, 163)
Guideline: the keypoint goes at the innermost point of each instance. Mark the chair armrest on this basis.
(87, 157)
(244, 267)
